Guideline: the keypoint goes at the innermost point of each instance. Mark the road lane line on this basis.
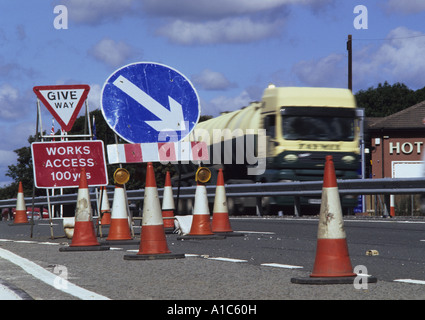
(278, 265)
(227, 259)
(410, 281)
(49, 278)
(257, 232)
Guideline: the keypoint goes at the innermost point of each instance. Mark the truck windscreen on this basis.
(317, 128)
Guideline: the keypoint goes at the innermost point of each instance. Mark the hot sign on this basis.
(58, 164)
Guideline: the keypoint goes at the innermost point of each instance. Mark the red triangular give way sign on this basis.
(63, 101)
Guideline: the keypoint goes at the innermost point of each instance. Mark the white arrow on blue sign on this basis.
(148, 102)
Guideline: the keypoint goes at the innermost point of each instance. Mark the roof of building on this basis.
(409, 118)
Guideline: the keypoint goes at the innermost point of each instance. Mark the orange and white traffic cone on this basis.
(84, 237)
(201, 222)
(332, 264)
(21, 210)
(153, 242)
(105, 209)
(220, 220)
(168, 205)
(119, 228)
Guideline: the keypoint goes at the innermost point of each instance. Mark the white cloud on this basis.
(406, 6)
(13, 70)
(219, 9)
(197, 22)
(14, 136)
(209, 22)
(223, 104)
(9, 102)
(228, 30)
(399, 59)
(93, 98)
(111, 52)
(7, 158)
(212, 80)
(93, 12)
(324, 72)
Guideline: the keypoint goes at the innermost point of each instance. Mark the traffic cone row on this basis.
(153, 241)
(332, 264)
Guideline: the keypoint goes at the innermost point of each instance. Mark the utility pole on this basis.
(350, 62)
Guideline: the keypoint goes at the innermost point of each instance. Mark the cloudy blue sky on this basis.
(230, 49)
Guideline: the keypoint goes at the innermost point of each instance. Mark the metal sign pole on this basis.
(33, 185)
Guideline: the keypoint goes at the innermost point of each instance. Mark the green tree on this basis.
(22, 171)
(387, 99)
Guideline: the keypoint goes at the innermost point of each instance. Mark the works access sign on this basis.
(63, 101)
(58, 164)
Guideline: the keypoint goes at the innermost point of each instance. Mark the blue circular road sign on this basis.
(148, 102)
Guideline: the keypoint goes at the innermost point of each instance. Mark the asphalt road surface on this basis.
(256, 266)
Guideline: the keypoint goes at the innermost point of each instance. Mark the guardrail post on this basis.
(386, 205)
(297, 206)
(258, 206)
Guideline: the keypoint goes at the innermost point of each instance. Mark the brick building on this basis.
(397, 143)
(396, 151)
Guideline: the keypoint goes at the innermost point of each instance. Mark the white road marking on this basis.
(50, 278)
(278, 265)
(410, 281)
(228, 259)
(7, 294)
(49, 243)
(256, 232)
(25, 241)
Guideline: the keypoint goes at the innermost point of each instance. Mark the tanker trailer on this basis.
(284, 137)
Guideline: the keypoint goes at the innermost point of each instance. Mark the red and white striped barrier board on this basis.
(157, 152)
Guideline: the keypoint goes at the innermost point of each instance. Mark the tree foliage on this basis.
(387, 99)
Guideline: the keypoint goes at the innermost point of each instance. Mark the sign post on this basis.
(57, 164)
